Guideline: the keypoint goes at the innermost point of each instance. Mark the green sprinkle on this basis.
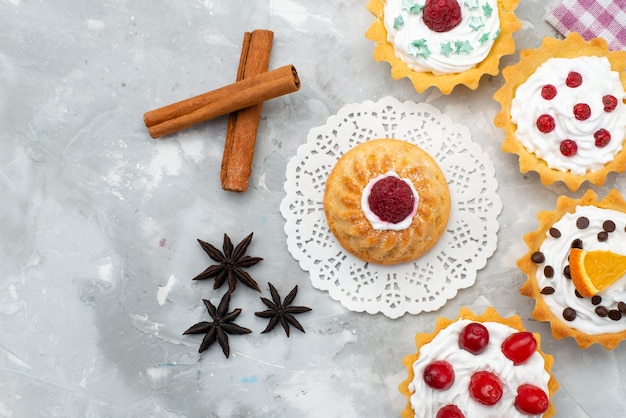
(497, 34)
(462, 47)
(416, 9)
(487, 9)
(411, 6)
(419, 47)
(476, 22)
(471, 4)
(446, 49)
(398, 22)
(484, 38)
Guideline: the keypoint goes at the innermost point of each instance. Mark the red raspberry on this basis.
(582, 111)
(609, 102)
(568, 147)
(441, 15)
(391, 199)
(450, 411)
(548, 92)
(602, 137)
(545, 123)
(574, 79)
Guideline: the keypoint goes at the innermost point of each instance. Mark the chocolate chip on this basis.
(555, 233)
(608, 226)
(602, 312)
(538, 257)
(596, 300)
(577, 293)
(566, 272)
(577, 243)
(569, 314)
(548, 290)
(615, 315)
(548, 271)
(603, 236)
(622, 307)
(582, 222)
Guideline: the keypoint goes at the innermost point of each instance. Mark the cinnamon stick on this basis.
(243, 124)
(247, 92)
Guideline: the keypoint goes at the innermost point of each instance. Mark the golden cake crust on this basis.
(352, 173)
(490, 315)
(504, 45)
(530, 288)
(515, 75)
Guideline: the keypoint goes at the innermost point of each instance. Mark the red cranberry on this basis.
(548, 92)
(602, 137)
(609, 102)
(582, 111)
(574, 79)
(439, 375)
(545, 123)
(450, 411)
(519, 347)
(474, 338)
(531, 400)
(568, 147)
(485, 387)
(391, 199)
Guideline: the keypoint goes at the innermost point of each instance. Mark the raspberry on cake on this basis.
(387, 201)
(563, 111)
(443, 43)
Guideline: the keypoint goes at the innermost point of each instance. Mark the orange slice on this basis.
(593, 271)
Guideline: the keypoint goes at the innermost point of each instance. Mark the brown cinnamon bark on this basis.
(243, 124)
(241, 94)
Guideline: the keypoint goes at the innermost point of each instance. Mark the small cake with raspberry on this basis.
(563, 111)
(478, 366)
(575, 267)
(443, 43)
(387, 201)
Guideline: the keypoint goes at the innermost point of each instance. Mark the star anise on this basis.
(221, 326)
(281, 311)
(232, 261)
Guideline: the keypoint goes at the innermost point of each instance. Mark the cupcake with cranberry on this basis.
(443, 43)
(575, 267)
(387, 201)
(563, 111)
(478, 366)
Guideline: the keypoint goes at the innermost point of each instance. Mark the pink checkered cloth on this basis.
(592, 19)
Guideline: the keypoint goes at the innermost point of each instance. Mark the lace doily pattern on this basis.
(427, 283)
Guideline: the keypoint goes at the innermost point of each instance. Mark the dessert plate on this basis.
(427, 283)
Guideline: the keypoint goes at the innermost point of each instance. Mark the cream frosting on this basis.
(453, 51)
(377, 223)
(426, 401)
(598, 81)
(556, 252)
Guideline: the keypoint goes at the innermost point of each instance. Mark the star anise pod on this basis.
(231, 263)
(281, 311)
(221, 326)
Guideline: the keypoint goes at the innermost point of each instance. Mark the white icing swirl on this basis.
(427, 401)
(598, 81)
(377, 223)
(556, 252)
(453, 51)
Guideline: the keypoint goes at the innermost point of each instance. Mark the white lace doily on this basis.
(431, 280)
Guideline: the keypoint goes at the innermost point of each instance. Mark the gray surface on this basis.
(99, 222)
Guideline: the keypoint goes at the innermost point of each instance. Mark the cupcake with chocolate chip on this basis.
(563, 111)
(576, 269)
